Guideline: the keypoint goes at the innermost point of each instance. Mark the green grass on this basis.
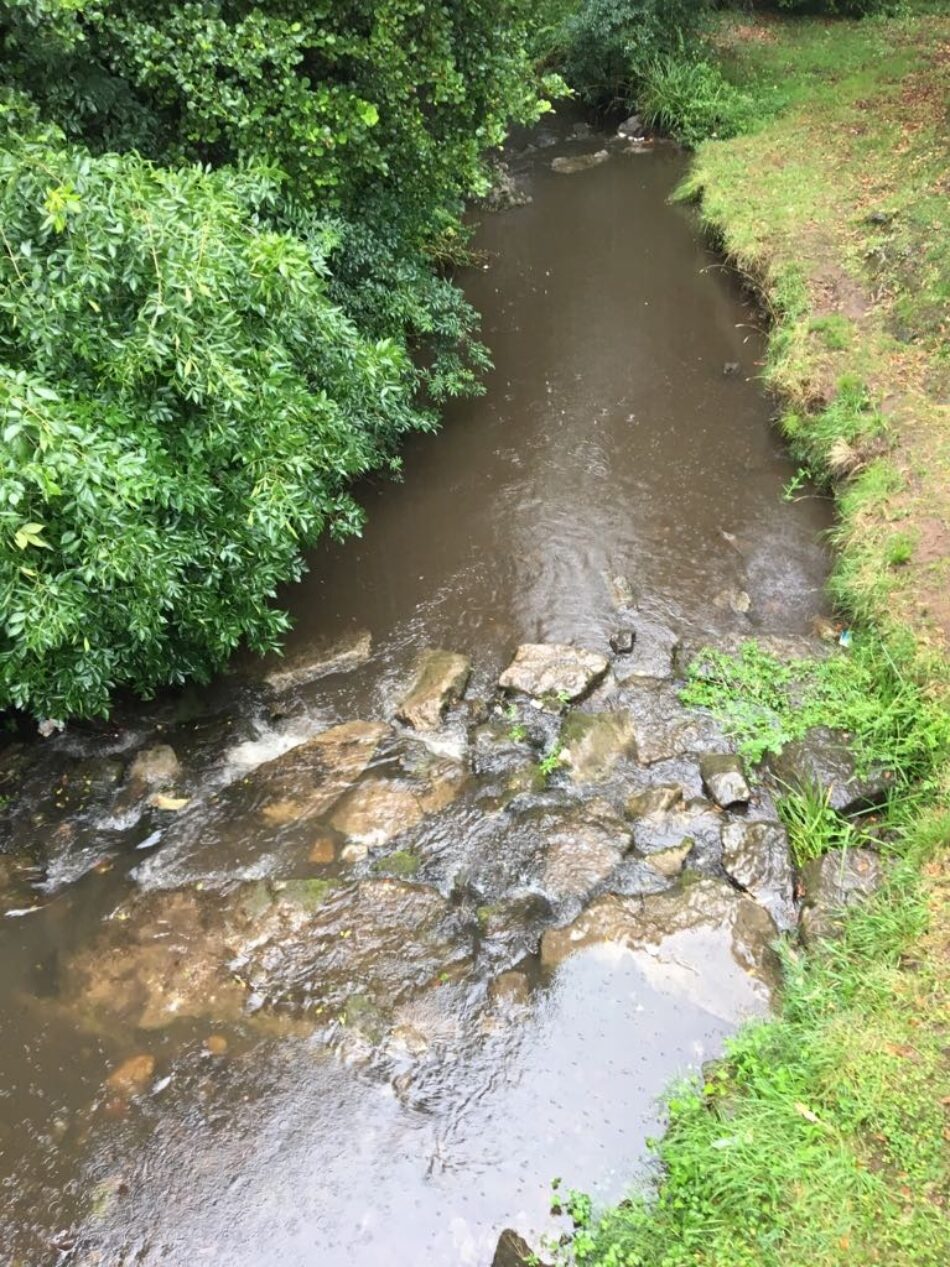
(834, 206)
(872, 691)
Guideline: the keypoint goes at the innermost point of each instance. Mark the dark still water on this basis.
(365, 1070)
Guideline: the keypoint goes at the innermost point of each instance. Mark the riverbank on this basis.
(822, 1137)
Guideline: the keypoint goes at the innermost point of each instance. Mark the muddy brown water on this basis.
(609, 444)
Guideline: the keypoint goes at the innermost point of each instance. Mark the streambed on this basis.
(288, 980)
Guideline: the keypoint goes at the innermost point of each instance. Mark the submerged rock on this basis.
(157, 766)
(578, 163)
(379, 809)
(755, 855)
(823, 761)
(621, 593)
(552, 670)
(702, 938)
(340, 657)
(273, 812)
(652, 656)
(304, 946)
(593, 744)
(724, 779)
(440, 679)
(833, 882)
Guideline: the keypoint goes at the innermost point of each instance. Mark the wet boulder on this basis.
(830, 884)
(756, 857)
(579, 162)
(594, 743)
(637, 877)
(693, 827)
(582, 846)
(654, 800)
(378, 809)
(662, 727)
(670, 862)
(513, 1251)
(701, 938)
(631, 128)
(652, 655)
(622, 641)
(440, 679)
(724, 779)
(823, 761)
(553, 671)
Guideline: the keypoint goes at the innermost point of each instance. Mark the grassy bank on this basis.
(822, 1138)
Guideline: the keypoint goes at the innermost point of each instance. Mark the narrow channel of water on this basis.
(400, 1095)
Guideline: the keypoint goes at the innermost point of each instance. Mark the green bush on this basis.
(610, 45)
(226, 232)
(182, 406)
(692, 100)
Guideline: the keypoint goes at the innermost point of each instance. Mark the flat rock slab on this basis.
(654, 800)
(553, 671)
(724, 779)
(824, 761)
(342, 656)
(756, 856)
(593, 744)
(830, 884)
(379, 809)
(578, 163)
(440, 679)
(701, 938)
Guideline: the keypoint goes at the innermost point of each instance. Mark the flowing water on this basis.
(335, 1037)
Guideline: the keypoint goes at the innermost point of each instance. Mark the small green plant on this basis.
(517, 731)
(813, 826)
(548, 764)
(795, 484)
(899, 550)
(834, 329)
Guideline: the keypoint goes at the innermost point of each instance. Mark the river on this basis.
(266, 1001)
